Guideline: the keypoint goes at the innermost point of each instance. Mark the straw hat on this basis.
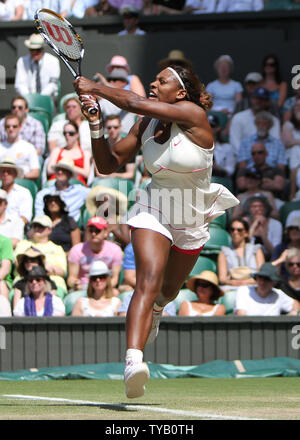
(116, 202)
(43, 220)
(175, 57)
(206, 275)
(35, 41)
(66, 164)
(9, 162)
(31, 252)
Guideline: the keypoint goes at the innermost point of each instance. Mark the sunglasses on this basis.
(293, 228)
(257, 152)
(71, 133)
(109, 127)
(20, 107)
(271, 63)
(293, 264)
(38, 280)
(237, 229)
(202, 284)
(101, 277)
(11, 126)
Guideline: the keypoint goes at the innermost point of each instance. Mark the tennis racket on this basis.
(60, 35)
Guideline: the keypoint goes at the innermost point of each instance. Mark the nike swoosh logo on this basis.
(177, 143)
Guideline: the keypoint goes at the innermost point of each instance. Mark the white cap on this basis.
(294, 221)
(98, 267)
(3, 194)
(254, 77)
(43, 220)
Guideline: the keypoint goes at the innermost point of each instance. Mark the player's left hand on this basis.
(83, 86)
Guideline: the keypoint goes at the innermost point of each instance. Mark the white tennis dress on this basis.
(180, 200)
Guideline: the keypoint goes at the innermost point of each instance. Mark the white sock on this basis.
(134, 355)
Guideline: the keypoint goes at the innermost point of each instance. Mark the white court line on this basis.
(129, 407)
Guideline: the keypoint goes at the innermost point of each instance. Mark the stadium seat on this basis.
(203, 263)
(225, 181)
(218, 238)
(71, 299)
(122, 185)
(287, 208)
(223, 118)
(29, 184)
(41, 104)
(220, 221)
(228, 300)
(184, 295)
(63, 100)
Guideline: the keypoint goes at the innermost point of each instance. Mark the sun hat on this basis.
(116, 201)
(267, 270)
(35, 41)
(9, 162)
(65, 164)
(43, 220)
(98, 222)
(118, 61)
(175, 56)
(206, 275)
(98, 267)
(56, 195)
(118, 73)
(293, 221)
(255, 77)
(31, 252)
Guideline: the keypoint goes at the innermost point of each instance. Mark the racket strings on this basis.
(61, 35)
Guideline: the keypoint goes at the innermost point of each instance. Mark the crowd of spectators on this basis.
(61, 234)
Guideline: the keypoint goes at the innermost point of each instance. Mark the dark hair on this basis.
(196, 91)
(244, 222)
(278, 76)
(20, 98)
(73, 124)
(61, 203)
(215, 291)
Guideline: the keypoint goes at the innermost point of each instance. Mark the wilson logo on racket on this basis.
(56, 33)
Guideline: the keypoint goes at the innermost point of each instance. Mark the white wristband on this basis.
(95, 122)
(97, 134)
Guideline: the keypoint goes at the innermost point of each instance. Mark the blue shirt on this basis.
(275, 148)
(74, 197)
(129, 261)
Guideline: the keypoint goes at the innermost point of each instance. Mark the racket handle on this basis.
(92, 110)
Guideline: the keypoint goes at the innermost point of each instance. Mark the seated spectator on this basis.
(224, 157)
(65, 231)
(169, 310)
(263, 229)
(175, 58)
(38, 300)
(5, 308)
(290, 102)
(272, 179)
(62, 7)
(73, 151)
(291, 285)
(130, 16)
(95, 247)
(295, 184)
(200, 6)
(238, 261)
(263, 299)
(291, 137)
(21, 151)
(243, 123)
(225, 91)
(252, 81)
(276, 156)
(11, 225)
(55, 257)
(290, 240)
(238, 6)
(78, 7)
(100, 300)
(31, 130)
(253, 183)
(273, 81)
(206, 287)
(31, 258)
(73, 195)
(12, 10)
(56, 138)
(103, 7)
(134, 82)
(117, 78)
(6, 262)
(111, 205)
(114, 133)
(19, 199)
(38, 71)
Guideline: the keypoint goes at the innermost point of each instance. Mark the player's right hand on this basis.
(88, 102)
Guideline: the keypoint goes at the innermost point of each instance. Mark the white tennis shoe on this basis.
(155, 327)
(136, 375)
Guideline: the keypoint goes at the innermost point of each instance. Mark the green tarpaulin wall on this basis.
(287, 367)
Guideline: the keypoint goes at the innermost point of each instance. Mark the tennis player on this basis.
(170, 220)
